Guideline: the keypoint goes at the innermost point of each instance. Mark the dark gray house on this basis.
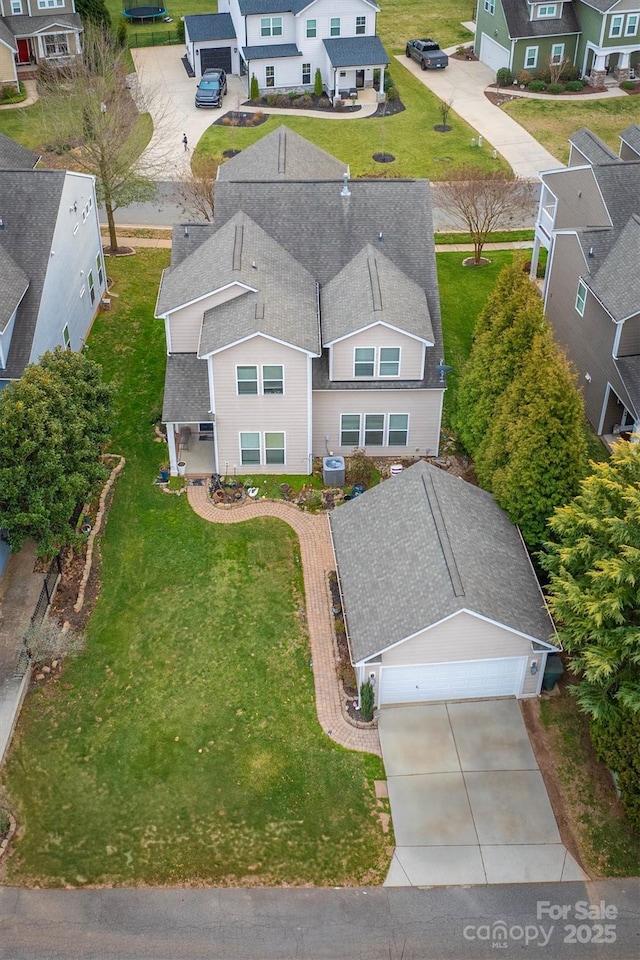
(440, 599)
(589, 221)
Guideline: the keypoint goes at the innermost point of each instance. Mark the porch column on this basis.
(598, 70)
(621, 69)
(535, 254)
(171, 442)
(382, 79)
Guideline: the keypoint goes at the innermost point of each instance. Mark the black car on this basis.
(212, 88)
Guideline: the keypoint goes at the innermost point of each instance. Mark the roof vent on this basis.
(1, 224)
(591, 253)
(345, 192)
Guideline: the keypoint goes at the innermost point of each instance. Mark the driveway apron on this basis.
(468, 802)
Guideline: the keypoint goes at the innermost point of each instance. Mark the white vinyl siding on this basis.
(343, 354)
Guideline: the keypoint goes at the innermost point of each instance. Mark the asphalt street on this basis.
(168, 208)
(305, 924)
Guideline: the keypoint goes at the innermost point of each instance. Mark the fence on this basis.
(153, 38)
(48, 587)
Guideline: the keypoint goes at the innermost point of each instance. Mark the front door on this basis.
(360, 79)
(24, 50)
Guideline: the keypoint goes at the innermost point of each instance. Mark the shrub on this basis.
(305, 101)
(392, 94)
(504, 77)
(347, 675)
(523, 77)
(122, 33)
(360, 468)
(570, 72)
(180, 30)
(367, 701)
(282, 100)
(537, 86)
(272, 99)
(544, 74)
(556, 88)
(575, 85)
(317, 83)
(388, 81)
(626, 85)
(293, 94)
(254, 88)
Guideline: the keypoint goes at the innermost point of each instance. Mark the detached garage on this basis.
(439, 596)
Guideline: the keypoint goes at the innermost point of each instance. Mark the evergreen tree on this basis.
(593, 559)
(93, 11)
(52, 423)
(503, 334)
(534, 453)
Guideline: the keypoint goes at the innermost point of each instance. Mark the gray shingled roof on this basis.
(13, 156)
(249, 7)
(616, 281)
(356, 51)
(285, 305)
(282, 155)
(430, 381)
(13, 283)
(631, 136)
(629, 370)
(24, 26)
(371, 289)
(516, 13)
(271, 51)
(401, 572)
(210, 26)
(592, 147)
(29, 204)
(601, 5)
(186, 390)
(7, 37)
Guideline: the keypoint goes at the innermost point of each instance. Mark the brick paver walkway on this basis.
(317, 560)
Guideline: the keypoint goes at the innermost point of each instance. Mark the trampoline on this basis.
(144, 13)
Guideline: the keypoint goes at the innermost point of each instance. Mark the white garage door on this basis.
(493, 54)
(453, 681)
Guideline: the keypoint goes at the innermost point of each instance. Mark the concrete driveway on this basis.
(468, 801)
(463, 83)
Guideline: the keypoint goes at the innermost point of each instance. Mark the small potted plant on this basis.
(164, 472)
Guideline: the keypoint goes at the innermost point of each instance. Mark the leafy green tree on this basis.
(93, 11)
(617, 742)
(52, 424)
(503, 334)
(534, 453)
(593, 560)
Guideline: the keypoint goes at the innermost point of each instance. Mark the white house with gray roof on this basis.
(589, 221)
(290, 336)
(34, 32)
(440, 600)
(284, 42)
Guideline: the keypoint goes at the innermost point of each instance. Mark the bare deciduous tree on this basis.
(91, 109)
(197, 189)
(444, 109)
(483, 201)
(557, 67)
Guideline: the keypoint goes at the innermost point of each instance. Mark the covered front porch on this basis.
(188, 416)
(354, 61)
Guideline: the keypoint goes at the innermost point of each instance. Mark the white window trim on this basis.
(259, 380)
(241, 448)
(66, 337)
(547, 16)
(314, 35)
(269, 23)
(262, 379)
(581, 298)
(557, 57)
(389, 376)
(396, 414)
(332, 22)
(371, 413)
(618, 19)
(490, 6)
(18, 5)
(283, 448)
(306, 83)
(527, 52)
(262, 448)
(363, 31)
(266, 76)
(340, 430)
(362, 429)
(632, 17)
(357, 376)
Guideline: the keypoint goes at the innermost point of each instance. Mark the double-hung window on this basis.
(490, 6)
(312, 29)
(249, 384)
(631, 27)
(361, 25)
(557, 53)
(66, 339)
(545, 12)
(247, 380)
(271, 27)
(374, 429)
(270, 76)
(581, 297)
(615, 27)
(364, 361)
(531, 58)
(99, 269)
(389, 361)
(306, 74)
(250, 449)
(350, 430)
(274, 448)
(16, 7)
(48, 4)
(92, 291)
(398, 429)
(272, 378)
(334, 27)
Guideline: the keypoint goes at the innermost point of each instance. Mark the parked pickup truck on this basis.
(427, 53)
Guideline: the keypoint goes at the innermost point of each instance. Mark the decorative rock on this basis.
(46, 669)
(55, 664)
(39, 676)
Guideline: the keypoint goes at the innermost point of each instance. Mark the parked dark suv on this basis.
(212, 88)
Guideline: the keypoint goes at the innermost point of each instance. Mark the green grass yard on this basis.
(183, 747)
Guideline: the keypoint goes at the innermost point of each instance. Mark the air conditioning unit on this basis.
(333, 471)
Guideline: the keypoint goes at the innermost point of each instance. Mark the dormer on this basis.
(545, 10)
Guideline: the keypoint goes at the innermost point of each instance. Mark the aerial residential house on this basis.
(589, 221)
(305, 320)
(599, 37)
(34, 32)
(284, 42)
(440, 600)
(13, 156)
(51, 268)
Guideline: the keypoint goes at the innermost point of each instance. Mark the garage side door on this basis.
(453, 681)
(494, 55)
(219, 57)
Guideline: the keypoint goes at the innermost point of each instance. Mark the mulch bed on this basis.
(322, 104)
(236, 118)
(497, 98)
(462, 56)
(388, 109)
(383, 157)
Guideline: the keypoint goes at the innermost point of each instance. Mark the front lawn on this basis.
(401, 20)
(552, 121)
(409, 136)
(183, 747)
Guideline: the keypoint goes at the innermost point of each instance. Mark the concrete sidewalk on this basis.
(463, 83)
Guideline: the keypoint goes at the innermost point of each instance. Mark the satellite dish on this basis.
(442, 368)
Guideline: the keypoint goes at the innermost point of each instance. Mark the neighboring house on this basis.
(13, 156)
(34, 32)
(440, 599)
(284, 42)
(589, 221)
(52, 272)
(304, 320)
(599, 37)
